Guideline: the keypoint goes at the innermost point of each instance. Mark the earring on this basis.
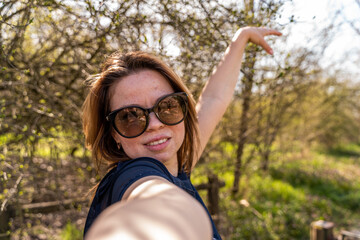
(118, 145)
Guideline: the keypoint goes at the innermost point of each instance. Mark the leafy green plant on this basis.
(71, 232)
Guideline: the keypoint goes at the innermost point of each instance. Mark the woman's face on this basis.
(159, 141)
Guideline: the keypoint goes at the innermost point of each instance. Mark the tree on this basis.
(258, 14)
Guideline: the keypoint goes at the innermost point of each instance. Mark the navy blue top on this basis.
(113, 186)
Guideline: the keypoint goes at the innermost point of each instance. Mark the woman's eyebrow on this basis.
(138, 105)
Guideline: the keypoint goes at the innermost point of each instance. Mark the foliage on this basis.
(70, 232)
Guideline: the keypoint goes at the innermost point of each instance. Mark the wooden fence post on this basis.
(213, 197)
(212, 188)
(213, 194)
(321, 230)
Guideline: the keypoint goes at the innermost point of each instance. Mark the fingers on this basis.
(266, 46)
(266, 32)
(257, 36)
(272, 32)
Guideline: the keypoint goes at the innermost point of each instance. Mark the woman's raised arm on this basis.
(219, 89)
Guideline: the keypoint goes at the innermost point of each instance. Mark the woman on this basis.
(140, 119)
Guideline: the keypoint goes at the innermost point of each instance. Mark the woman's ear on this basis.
(116, 138)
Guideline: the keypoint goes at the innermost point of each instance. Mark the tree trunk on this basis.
(240, 144)
(265, 160)
(247, 82)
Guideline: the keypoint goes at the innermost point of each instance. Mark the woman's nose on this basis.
(154, 122)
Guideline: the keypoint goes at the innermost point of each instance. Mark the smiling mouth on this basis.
(157, 142)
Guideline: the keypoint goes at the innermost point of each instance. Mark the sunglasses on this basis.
(132, 121)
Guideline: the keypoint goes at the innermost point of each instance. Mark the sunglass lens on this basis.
(130, 121)
(171, 110)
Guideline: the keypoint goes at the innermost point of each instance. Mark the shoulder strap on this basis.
(133, 170)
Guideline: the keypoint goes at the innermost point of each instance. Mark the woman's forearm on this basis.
(219, 89)
(155, 209)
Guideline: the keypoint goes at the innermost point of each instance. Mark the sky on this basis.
(313, 15)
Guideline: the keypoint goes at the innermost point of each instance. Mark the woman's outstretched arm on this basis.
(219, 89)
(152, 208)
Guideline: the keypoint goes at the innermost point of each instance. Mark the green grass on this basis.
(59, 147)
(71, 232)
(293, 193)
(61, 143)
(345, 151)
(325, 176)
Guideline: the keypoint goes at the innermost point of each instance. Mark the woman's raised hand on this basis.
(256, 35)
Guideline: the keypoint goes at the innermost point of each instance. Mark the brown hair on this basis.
(98, 131)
